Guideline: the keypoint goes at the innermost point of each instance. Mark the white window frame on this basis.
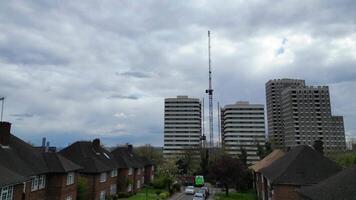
(6, 193)
(130, 171)
(138, 184)
(69, 198)
(113, 189)
(34, 183)
(103, 177)
(41, 182)
(138, 171)
(129, 188)
(70, 178)
(114, 173)
(102, 195)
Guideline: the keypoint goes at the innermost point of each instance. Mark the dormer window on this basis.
(103, 177)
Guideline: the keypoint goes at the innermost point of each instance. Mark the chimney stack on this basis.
(5, 128)
(96, 143)
(129, 148)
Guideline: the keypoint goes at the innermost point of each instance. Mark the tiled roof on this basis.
(265, 162)
(126, 158)
(340, 186)
(93, 160)
(9, 177)
(300, 166)
(22, 161)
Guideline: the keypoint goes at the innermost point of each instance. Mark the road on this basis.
(190, 197)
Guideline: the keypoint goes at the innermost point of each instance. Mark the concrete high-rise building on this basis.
(182, 126)
(243, 126)
(299, 114)
(306, 114)
(274, 89)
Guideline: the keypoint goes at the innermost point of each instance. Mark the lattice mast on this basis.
(210, 93)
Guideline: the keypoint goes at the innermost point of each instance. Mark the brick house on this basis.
(134, 171)
(99, 168)
(258, 180)
(340, 186)
(36, 175)
(301, 166)
(149, 169)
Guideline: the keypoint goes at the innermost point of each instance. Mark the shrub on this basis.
(159, 183)
(176, 187)
(123, 195)
(164, 195)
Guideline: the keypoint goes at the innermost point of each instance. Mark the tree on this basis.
(260, 151)
(169, 171)
(150, 152)
(319, 146)
(228, 171)
(243, 156)
(188, 163)
(82, 187)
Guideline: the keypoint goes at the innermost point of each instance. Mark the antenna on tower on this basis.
(210, 93)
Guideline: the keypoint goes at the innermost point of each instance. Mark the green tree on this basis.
(243, 155)
(228, 171)
(150, 152)
(169, 171)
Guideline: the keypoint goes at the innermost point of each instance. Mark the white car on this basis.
(199, 196)
(189, 190)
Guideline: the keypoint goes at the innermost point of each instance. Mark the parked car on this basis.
(207, 192)
(199, 196)
(202, 191)
(189, 190)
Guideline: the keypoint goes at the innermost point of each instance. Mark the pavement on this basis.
(182, 196)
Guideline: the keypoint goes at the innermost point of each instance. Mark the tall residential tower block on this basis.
(243, 127)
(182, 125)
(303, 115)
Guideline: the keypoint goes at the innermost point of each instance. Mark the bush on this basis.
(123, 195)
(164, 195)
(176, 187)
(159, 183)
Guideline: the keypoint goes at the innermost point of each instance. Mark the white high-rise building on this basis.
(243, 127)
(182, 125)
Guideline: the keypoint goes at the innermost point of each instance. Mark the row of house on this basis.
(302, 174)
(29, 173)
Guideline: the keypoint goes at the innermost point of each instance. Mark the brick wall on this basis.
(283, 192)
(95, 186)
(149, 172)
(57, 188)
(122, 180)
(17, 192)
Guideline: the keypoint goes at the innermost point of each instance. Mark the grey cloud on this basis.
(130, 97)
(76, 64)
(134, 74)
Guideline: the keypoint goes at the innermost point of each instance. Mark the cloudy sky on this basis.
(77, 70)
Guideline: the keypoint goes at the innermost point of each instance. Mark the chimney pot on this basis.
(5, 129)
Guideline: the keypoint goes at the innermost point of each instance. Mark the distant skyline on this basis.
(78, 70)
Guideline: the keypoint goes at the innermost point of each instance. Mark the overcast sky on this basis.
(77, 70)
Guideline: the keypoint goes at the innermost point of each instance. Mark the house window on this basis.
(102, 177)
(153, 168)
(130, 171)
(114, 173)
(102, 195)
(6, 193)
(42, 182)
(70, 178)
(113, 189)
(152, 177)
(139, 171)
(34, 184)
(138, 184)
(129, 187)
(69, 198)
